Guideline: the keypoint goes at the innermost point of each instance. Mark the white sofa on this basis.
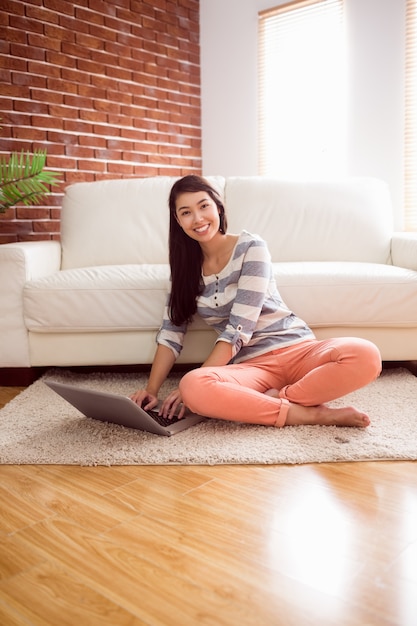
(96, 298)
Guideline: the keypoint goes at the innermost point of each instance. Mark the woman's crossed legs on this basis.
(287, 386)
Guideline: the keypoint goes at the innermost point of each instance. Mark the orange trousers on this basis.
(309, 373)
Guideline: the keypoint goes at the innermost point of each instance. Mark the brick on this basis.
(78, 102)
(31, 213)
(146, 170)
(57, 32)
(61, 162)
(102, 33)
(129, 133)
(62, 60)
(27, 52)
(119, 120)
(102, 7)
(121, 51)
(60, 7)
(35, 237)
(146, 148)
(40, 41)
(118, 26)
(70, 24)
(104, 82)
(125, 15)
(6, 104)
(19, 78)
(43, 69)
(75, 50)
(71, 79)
(119, 73)
(41, 121)
(41, 14)
(13, 63)
(77, 151)
(94, 165)
(139, 7)
(25, 25)
(56, 213)
(119, 144)
(84, 15)
(106, 105)
(78, 177)
(86, 65)
(13, 6)
(77, 126)
(16, 227)
(30, 134)
(5, 76)
(93, 141)
(119, 97)
(108, 131)
(135, 157)
(46, 226)
(16, 118)
(93, 116)
(66, 112)
(120, 168)
(7, 238)
(88, 41)
(108, 155)
(9, 214)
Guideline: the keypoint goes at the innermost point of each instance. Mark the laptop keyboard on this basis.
(163, 421)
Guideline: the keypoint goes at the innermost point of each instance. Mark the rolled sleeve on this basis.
(170, 335)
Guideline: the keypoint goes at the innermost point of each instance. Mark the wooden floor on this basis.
(326, 544)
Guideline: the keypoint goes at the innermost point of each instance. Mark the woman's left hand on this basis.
(172, 405)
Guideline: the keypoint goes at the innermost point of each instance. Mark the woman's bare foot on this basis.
(326, 416)
(323, 415)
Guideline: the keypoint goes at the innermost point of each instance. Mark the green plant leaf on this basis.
(23, 179)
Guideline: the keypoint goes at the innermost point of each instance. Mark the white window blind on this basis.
(410, 213)
(302, 90)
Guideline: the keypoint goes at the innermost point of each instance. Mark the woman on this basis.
(266, 366)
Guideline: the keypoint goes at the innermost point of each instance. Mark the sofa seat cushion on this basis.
(349, 294)
(102, 298)
(132, 297)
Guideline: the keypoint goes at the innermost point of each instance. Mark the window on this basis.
(302, 102)
(410, 213)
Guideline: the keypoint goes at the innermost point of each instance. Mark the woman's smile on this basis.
(201, 230)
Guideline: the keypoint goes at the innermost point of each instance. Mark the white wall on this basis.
(376, 42)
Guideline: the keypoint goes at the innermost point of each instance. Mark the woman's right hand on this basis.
(144, 399)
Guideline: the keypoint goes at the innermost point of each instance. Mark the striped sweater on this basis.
(243, 306)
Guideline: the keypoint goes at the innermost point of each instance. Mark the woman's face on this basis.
(198, 215)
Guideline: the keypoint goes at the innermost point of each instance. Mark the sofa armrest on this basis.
(404, 250)
(20, 262)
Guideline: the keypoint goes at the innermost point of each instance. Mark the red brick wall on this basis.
(111, 88)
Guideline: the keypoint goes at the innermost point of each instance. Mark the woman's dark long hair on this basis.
(185, 254)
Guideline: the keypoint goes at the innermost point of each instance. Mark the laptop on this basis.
(119, 409)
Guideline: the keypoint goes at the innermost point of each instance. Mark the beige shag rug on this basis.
(39, 427)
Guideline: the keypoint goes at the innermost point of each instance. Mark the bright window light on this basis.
(302, 90)
(411, 118)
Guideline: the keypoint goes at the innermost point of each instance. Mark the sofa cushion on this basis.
(348, 220)
(349, 294)
(112, 222)
(106, 298)
(132, 297)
